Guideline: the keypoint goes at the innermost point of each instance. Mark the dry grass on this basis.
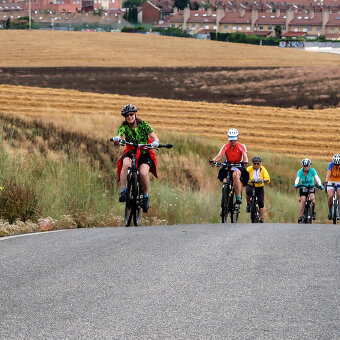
(312, 133)
(46, 48)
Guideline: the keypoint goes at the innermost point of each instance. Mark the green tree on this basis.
(278, 31)
(181, 4)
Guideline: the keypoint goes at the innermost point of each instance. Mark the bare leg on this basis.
(144, 176)
(302, 204)
(237, 182)
(123, 173)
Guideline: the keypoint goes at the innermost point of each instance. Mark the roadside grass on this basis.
(68, 180)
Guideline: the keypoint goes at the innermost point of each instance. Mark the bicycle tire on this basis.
(310, 213)
(335, 212)
(253, 211)
(137, 213)
(232, 210)
(128, 204)
(224, 204)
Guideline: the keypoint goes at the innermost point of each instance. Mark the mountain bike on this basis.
(307, 216)
(134, 190)
(228, 200)
(254, 204)
(335, 205)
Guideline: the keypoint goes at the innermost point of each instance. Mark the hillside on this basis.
(51, 48)
(287, 131)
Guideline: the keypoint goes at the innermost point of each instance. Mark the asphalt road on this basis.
(270, 281)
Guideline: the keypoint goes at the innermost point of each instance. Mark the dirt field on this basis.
(295, 132)
(53, 49)
(296, 87)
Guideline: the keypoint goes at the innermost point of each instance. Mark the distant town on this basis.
(298, 19)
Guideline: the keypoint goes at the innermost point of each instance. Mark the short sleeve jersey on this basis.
(139, 135)
(307, 180)
(236, 155)
(335, 172)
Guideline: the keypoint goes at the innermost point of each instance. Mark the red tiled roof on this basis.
(334, 19)
(235, 18)
(304, 19)
(261, 33)
(177, 17)
(270, 18)
(202, 16)
(293, 34)
(335, 36)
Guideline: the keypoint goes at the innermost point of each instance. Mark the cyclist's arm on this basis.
(328, 175)
(318, 180)
(266, 177)
(221, 153)
(245, 158)
(154, 137)
(297, 180)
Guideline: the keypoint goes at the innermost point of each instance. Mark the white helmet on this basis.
(232, 134)
(336, 159)
(306, 162)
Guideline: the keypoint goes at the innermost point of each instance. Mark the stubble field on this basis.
(288, 131)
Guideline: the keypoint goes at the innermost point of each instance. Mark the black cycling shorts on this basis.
(304, 191)
(144, 158)
(259, 192)
(223, 173)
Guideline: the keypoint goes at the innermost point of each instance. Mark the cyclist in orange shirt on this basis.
(333, 176)
(234, 152)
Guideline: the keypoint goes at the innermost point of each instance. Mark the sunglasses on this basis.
(256, 163)
(130, 114)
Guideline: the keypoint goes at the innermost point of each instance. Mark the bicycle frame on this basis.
(254, 205)
(335, 205)
(134, 189)
(307, 216)
(228, 206)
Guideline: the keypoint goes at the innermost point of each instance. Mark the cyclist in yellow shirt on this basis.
(257, 172)
(333, 176)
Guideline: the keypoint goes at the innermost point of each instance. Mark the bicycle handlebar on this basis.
(123, 142)
(308, 186)
(226, 164)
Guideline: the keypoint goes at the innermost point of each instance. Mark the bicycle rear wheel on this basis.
(128, 204)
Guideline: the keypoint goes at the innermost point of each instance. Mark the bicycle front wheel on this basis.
(310, 214)
(139, 198)
(253, 211)
(128, 204)
(335, 212)
(233, 211)
(224, 204)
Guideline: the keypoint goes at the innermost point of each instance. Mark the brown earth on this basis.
(296, 87)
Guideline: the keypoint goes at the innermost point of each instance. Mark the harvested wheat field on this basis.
(52, 48)
(313, 133)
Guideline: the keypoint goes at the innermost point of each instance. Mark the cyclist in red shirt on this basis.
(234, 152)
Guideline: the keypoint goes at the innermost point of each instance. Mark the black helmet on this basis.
(128, 108)
(257, 159)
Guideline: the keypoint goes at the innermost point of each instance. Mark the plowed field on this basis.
(313, 133)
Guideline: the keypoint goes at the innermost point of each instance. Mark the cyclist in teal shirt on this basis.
(307, 177)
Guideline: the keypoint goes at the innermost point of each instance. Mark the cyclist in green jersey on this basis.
(140, 132)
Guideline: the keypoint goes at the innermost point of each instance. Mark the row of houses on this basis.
(311, 23)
